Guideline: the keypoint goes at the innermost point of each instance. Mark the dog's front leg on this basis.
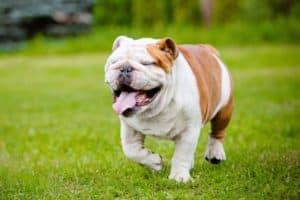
(183, 158)
(133, 147)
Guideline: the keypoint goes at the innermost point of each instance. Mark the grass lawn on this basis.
(59, 137)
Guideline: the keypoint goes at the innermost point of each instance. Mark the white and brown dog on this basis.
(169, 91)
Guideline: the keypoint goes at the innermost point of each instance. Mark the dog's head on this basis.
(138, 71)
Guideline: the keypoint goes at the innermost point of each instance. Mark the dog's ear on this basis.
(120, 40)
(169, 46)
(164, 51)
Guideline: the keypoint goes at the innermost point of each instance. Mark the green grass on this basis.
(59, 138)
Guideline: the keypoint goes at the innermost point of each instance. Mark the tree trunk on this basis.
(206, 10)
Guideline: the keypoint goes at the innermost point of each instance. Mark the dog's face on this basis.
(138, 72)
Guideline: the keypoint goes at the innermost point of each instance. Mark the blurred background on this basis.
(59, 136)
(92, 25)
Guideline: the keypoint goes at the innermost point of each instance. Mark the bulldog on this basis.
(169, 91)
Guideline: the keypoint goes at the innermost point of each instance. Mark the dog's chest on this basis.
(166, 125)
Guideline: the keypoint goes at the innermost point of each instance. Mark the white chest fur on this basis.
(166, 125)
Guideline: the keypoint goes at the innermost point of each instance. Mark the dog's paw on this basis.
(154, 161)
(215, 151)
(180, 175)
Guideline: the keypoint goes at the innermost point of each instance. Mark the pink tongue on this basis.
(124, 101)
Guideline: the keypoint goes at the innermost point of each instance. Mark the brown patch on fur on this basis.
(221, 120)
(164, 52)
(208, 76)
(210, 48)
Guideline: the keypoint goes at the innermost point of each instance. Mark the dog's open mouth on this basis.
(127, 99)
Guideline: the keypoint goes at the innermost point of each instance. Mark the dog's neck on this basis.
(172, 93)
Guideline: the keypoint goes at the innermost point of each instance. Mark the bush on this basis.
(164, 12)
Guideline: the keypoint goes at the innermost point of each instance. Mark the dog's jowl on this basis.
(169, 91)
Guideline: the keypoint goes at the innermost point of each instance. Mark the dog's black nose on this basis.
(125, 74)
(126, 69)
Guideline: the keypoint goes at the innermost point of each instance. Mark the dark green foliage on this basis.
(225, 11)
(112, 12)
(256, 10)
(157, 12)
(148, 13)
(186, 12)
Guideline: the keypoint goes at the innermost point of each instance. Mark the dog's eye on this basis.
(113, 61)
(148, 63)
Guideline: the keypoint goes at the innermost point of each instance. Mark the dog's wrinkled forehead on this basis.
(129, 49)
(162, 52)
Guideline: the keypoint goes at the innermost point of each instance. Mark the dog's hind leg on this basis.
(215, 150)
(133, 147)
